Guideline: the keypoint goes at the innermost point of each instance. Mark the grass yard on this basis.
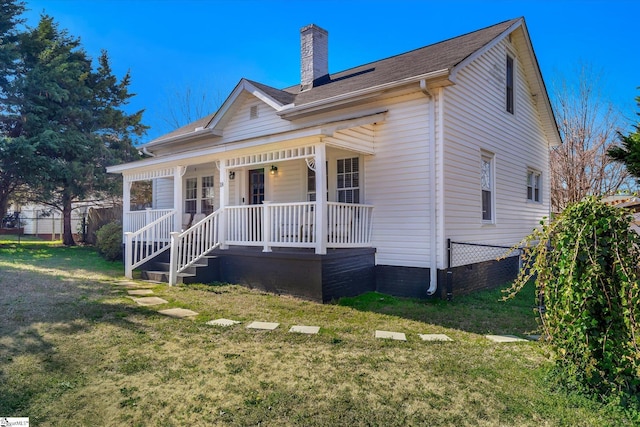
(75, 350)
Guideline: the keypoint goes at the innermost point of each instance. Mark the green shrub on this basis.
(109, 241)
(585, 264)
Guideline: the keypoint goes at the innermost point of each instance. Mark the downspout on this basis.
(147, 152)
(433, 262)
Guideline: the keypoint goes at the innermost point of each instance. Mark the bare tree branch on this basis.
(588, 125)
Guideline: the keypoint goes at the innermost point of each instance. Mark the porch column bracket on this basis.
(183, 170)
(311, 163)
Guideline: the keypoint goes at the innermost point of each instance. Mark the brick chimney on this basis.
(314, 56)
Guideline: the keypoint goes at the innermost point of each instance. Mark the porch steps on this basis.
(204, 271)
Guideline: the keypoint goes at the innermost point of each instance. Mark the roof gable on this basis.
(441, 60)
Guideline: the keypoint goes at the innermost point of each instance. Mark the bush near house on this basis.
(109, 241)
(586, 262)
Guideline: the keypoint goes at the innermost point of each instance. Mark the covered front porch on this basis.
(261, 200)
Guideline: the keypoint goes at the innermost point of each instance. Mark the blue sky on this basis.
(169, 45)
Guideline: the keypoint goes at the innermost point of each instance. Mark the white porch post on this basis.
(177, 196)
(224, 201)
(266, 226)
(126, 226)
(126, 203)
(321, 199)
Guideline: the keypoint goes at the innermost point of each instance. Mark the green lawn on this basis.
(76, 351)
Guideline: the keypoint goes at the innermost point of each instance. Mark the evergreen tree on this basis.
(71, 120)
(10, 153)
(629, 152)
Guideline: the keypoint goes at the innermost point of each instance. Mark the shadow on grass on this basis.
(38, 311)
(482, 312)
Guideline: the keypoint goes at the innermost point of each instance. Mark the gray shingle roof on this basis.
(439, 56)
(443, 55)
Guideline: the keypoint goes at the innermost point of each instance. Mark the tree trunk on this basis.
(4, 204)
(67, 235)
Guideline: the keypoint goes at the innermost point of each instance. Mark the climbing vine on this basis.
(585, 264)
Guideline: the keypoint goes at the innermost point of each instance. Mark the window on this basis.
(486, 180)
(311, 184)
(510, 73)
(533, 186)
(348, 184)
(191, 195)
(207, 192)
(199, 195)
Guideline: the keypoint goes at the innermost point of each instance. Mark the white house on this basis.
(356, 180)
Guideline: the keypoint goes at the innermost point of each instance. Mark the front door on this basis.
(256, 197)
(256, 186)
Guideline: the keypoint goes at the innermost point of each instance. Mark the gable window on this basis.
(510, 74)
(348, 182)
(486, 181)
(534, 180)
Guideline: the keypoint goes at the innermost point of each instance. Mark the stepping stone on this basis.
(131, 285)
(147, 301)
(140, 292)
(222, 322)
(400, 336)
(178, 313)
(533, 337)
(305, 329)
(434, 337)
(267, 326)
(504, 338)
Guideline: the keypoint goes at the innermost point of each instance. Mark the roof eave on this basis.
(186, 137)
(296, 112)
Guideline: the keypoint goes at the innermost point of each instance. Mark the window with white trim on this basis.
(348, 180)
(199, 194)
(510, 73)
(311, 184)
(534, 185)
(207, 195)
(191, 195)
(487, 185)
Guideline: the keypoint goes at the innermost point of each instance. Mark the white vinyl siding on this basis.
(264, 121)
(163, 193)
(396, 182)
(475, 120)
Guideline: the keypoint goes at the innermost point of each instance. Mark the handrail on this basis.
(193, 244)
(147, 242)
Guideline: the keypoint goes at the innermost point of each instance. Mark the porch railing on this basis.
(135, 220)
(349, 225)
(147, 242)
(294, 224)
(192, 245)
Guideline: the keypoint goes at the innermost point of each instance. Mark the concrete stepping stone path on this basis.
(434, 337)
(299, 329)
(179, 313)
(504, 338)
(267, 326)
(140, 292)
(222, 322)
(398, 336)
(149, 301)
